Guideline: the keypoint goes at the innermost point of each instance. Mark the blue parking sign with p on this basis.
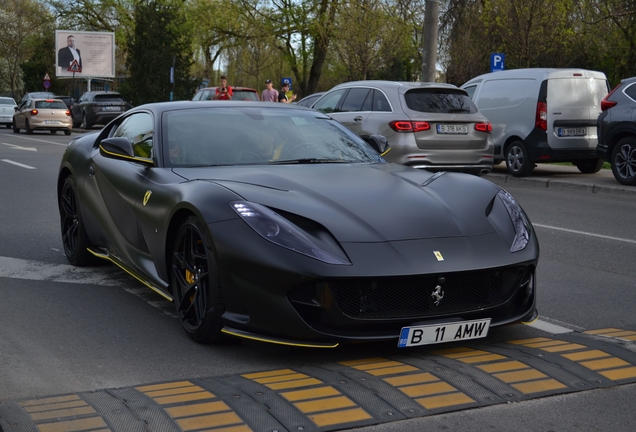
(497, 62)
(287, 81)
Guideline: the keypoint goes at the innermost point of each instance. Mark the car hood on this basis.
(364, 202)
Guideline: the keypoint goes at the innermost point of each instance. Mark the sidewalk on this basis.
(563, 177)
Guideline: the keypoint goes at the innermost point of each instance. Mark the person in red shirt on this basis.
(224, 91)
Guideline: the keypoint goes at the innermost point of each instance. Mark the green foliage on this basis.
(159, 41)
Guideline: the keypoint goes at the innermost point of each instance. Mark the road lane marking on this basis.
(585, 233)
(549, 327)
(17, 147)
(17, 164)
(44, 141)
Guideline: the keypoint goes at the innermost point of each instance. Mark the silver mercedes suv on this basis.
(429, 125)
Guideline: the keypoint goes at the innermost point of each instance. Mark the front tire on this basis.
(74, 237)
(624, 161)
(518, 159)
(85, 124)
(589, 166)
(195, 284)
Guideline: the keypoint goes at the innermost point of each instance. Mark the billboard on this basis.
(87, 54)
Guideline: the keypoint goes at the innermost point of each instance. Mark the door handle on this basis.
(359, 118)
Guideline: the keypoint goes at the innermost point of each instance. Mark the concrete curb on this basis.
(586, 185)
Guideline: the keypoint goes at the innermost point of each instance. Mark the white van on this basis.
(542, 115)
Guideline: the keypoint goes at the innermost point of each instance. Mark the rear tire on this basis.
(74, 237)
(624, 161)
(518, 159)
(196, 288)
(67, 132)
(16, 129)
(589, 166)
(85, 124)
(53, 131)
(28, 127)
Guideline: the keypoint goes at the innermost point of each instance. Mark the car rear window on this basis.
(443, 101)
(50, 105)
(245, 95)
(109, 98)
(7, 102)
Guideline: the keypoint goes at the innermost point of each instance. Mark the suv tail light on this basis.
(541, 120)
(483, 127)
(409, 126)
(606, 103)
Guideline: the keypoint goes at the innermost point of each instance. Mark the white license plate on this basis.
(452, 129)
(439, 333)
(51, 122)
(563, 132)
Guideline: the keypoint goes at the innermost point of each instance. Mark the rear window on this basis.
(7, 102)
(443, 101)
(244, 95)
(109, 98)
(50, 105)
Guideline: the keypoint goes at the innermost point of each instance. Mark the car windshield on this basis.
(249, 136)
(50, 104)
(444, 101)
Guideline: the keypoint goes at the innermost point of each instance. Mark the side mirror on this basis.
(116, 147)
(379, 143)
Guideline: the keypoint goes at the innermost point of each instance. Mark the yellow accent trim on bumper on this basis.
(277, 341)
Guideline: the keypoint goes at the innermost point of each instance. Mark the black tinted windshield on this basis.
(242, 136)
(446, 101)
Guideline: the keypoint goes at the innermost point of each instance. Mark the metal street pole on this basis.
(429, 41)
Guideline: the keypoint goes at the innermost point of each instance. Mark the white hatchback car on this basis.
(42, 114)
(7, 109)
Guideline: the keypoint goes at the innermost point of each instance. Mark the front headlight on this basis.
(278, 230)
(519, 221)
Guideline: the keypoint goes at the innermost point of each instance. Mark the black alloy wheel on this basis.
(74, 237)
(195, 284)
(518, 160)
(589, 166)
(624, 161)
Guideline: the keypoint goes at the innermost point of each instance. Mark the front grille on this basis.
(410, 296)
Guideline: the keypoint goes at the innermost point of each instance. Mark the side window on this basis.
(355, 99)
(329, 102)
(197, 96)
(471, 91)
(139, 129)
(631, 91)
(380, 102)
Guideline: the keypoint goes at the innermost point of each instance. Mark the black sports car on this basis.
(274, 222)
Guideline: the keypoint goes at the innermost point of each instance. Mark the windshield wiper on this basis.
(308, 161)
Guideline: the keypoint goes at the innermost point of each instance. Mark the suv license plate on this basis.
(111, 108)
(452, 129)
(564, 132)
(439, 333)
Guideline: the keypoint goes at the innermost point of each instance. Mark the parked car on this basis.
(42, 114)
(239, 93)
(428, 125)
(7, 109)
(617, 131)
(542, 115)
(319, 244)
(68, 101)
(308, 101)
(36, 95)
(98, 107)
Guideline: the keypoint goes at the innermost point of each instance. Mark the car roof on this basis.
(159, 107)
(395, 84)
(7, 98)
(40, 99)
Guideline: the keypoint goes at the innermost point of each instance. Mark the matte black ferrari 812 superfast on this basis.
(274, 222)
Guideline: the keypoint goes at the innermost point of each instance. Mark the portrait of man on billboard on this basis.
(66, 55)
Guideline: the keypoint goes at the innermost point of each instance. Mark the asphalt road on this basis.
(99, 340)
